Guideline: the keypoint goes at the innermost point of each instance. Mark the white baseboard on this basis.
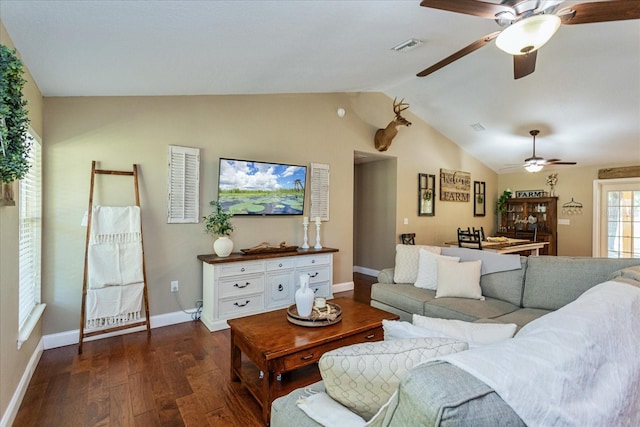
(71, 337)
(9, 415)
(365, 270)
(342, 287)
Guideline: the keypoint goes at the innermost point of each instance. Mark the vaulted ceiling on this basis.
(584, 96)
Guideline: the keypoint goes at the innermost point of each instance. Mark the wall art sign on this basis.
(454, 185)
(530, 193)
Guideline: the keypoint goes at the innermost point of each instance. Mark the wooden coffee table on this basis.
(274, 346)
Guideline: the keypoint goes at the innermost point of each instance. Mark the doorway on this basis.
(617, 218)
(374, 212)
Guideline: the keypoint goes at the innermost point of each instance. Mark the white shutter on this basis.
(319, 191)
(184, 185)
(30, 218)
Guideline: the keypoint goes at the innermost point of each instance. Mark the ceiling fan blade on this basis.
(558, 162)
(459, 54)
(523, 65)
(600, 11)
(470, 7)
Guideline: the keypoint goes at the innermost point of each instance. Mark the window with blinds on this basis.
(30, 238)
(184, 185)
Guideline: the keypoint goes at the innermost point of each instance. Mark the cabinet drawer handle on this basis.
(370, 336)
(241, 305)
(308, 357)
(315, 290)
(242, 286)
(314, 274)
(280, 265)
(242, 269)
(313, 261)
(280, 288)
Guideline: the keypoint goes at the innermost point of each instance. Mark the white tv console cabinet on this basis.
(240, 285)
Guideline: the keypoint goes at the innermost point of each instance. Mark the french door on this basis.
(617, 218)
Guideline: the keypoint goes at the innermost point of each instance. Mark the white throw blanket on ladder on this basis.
(114, 258)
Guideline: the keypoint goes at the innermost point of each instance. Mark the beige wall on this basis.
(574, 182)
(13, 362)
(281, 128)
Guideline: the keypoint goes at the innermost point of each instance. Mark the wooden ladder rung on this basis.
(108, 172)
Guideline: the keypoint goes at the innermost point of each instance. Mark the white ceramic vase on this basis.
(304, 297)
(223, 246)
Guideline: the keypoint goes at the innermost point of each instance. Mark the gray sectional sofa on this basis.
(543, 284)
(440, 394)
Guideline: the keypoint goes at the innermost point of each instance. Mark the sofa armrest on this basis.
(386, 276)
(440, 394)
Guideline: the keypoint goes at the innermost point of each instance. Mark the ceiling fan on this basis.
(535, 163)
(528, 25)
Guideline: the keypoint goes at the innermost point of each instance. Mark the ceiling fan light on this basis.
(533, 167)
(528, 35)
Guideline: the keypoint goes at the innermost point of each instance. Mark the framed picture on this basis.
(426, 194)
(455, 186)
(479, 199)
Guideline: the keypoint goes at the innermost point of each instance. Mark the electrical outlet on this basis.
(174, 286)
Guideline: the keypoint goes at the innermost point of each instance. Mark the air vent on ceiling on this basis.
(407, 45)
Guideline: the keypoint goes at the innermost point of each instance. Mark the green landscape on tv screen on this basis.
(260, 188)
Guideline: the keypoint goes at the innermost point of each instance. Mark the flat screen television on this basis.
(247, 187)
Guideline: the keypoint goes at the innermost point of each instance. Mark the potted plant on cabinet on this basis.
(218, 224)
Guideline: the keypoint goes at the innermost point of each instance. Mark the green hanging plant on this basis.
(14, 118)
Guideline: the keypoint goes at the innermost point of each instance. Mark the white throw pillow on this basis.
(406, 268)
(400, 330)
(362, 377)
(473, 333)
(459, 279)
(428, 269)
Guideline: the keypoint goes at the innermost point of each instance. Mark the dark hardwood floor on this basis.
(179, 377)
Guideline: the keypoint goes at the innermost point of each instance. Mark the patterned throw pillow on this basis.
(362, 377)
(407, 256)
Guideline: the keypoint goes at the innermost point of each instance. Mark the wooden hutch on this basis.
(539, 213)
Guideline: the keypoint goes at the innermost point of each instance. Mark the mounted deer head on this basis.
(384, 137)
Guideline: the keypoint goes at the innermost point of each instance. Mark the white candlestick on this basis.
(318, 245)
(318, 220)
(305, 245)
(305, 220)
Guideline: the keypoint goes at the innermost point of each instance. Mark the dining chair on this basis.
(408, 238)
(469, 239)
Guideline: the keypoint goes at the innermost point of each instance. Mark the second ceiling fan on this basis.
(535, 163)
(528, 25)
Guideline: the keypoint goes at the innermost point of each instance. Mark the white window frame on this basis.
(30, 306)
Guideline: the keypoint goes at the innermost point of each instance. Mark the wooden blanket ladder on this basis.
(134, 324)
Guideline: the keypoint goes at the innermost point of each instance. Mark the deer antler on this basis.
(399, 107)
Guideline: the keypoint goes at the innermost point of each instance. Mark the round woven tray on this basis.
(318, 318)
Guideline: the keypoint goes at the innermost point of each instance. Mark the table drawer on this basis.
(280, 264)
(312, 355)
(321, 289)
(236, 268)
(234, 286)
(316, 275)
(308, 261)
(236, 307)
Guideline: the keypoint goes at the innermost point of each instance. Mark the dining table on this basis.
(508, 245)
